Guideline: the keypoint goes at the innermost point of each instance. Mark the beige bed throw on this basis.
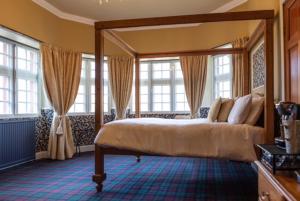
(190, 137)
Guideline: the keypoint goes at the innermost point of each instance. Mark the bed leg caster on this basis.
(99, 179)
(99, 188)
(138, 159)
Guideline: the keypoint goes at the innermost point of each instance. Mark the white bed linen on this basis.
(197, 137)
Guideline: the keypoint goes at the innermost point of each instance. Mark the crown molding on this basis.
(63, 15)
(67, 16)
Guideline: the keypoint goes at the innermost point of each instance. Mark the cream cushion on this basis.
(214, 110)
(225, 109)
(240, 110)
(257, 107)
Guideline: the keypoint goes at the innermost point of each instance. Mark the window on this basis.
(6, 77)
(222, 71)
(79, 105)
(92, 75)
(19, 78)
(131, 104)
(144, 88)
(161, 98)
(107, 95)
(27, 63)
(85, 99)
(181, 103)
(162, 88)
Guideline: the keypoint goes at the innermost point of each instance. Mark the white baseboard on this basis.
(44, 154)
(41, 155)
(87, 148)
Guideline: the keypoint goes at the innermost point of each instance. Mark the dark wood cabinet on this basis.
(292, 50)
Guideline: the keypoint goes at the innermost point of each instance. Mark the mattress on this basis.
(178, 137)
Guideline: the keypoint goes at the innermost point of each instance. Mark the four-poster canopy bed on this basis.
(264, 30)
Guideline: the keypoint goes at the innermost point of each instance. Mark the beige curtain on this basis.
(194, 69)
(238, 68)
(61, 74)
(120, 70)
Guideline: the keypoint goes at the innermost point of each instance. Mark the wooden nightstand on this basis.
(279, 187)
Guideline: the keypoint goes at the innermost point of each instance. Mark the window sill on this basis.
(11, 118)
(146, 113)
(80, 114)
(142, 113)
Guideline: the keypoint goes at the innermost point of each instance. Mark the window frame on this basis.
(224, 77)
(14, 78)
(6, 72)
(149, 83)
(110, 102)
(172, 82)
(87, 83)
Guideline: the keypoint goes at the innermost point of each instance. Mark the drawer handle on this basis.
(264, 197)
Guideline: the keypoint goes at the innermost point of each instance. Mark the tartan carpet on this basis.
(154, 178)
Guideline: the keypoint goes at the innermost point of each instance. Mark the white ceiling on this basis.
(129, 9)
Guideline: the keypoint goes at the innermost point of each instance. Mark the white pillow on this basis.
(240, 110)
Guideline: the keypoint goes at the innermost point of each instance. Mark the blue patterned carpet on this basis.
(154, 178)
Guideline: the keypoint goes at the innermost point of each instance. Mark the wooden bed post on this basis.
(99, 175)
(137, 95)
(246, 71)
(137, 88)
(99, 62)
(269, 81)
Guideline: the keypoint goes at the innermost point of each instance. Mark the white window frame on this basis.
(172, 82)
(150, 82)
(86, 81)
(224, 77)
(13, 92)
(4, 71)
(110, 99)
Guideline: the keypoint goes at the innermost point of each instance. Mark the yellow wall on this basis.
(28, 18)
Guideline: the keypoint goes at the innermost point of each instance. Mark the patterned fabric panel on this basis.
(258, 67)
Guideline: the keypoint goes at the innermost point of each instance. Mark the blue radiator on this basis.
(17, 142)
